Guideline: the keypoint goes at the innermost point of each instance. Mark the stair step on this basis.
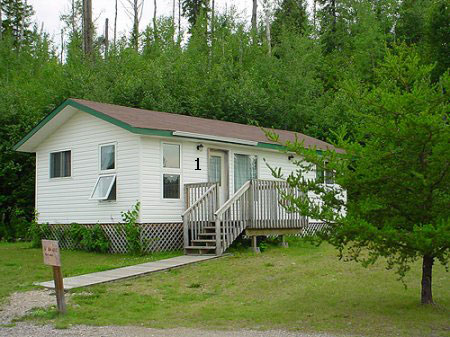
(201, 247)
(204, 241)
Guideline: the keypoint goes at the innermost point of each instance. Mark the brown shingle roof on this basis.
(149, 119)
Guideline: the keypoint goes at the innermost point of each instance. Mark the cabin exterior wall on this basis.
(156, 209)
(67, 200)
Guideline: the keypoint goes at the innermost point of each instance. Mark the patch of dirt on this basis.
(19, 304)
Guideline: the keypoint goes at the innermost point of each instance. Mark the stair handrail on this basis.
(222, 245)
(235, 196)
(210, 191)
(204, 195)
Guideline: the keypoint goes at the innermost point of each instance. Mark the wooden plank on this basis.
(272, 231)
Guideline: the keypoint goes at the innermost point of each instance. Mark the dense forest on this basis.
(285, 68)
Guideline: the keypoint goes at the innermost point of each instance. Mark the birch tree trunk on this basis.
(173, 17)
(314, 14)
(267, 22)
(106, 37)
(155, 28)
(136, 25)
(87, 27)
(62, 45)
(1, 20)
(115, 26)
(254, 14)
(73, 18)
(179, 19)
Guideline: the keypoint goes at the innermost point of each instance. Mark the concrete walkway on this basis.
(126, 272)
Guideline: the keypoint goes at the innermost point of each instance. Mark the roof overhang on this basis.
(214, 138)
(69, 107)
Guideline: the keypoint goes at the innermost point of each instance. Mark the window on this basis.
(107, 157)
(104, 188)
(60, 164)
(215, 170)
(171, 177)
(245, 168)
(171, 155)
(171, 183)
(324, 176)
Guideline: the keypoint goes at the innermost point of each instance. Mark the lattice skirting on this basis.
(157, 237)
(312, 228)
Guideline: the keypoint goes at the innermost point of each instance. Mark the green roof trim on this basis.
(271, 146)
(119, 123)
(41, 124)
(81, 107)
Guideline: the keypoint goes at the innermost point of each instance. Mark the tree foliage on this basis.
(395, 169)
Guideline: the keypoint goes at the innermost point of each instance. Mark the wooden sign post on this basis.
(50, 249)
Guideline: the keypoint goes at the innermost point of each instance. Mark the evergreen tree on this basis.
(17, 19)
(192, 10)
(396, 172)
(290, 15)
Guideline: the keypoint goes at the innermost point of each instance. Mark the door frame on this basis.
(226, 166)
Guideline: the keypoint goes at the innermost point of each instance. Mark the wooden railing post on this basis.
(185, 230)
(218, 236)
(251, 200)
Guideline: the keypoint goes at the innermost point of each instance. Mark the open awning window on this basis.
(103, 187)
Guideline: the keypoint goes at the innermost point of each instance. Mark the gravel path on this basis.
(20, 303)
(26, 330)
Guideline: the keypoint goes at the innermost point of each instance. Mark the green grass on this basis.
(300, 288)
(21, 266)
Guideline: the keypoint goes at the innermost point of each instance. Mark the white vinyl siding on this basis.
(139, 171)
(68, 200)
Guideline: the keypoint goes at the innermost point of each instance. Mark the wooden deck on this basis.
(257, 207)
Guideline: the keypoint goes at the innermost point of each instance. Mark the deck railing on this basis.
(192, 192)
(200, 214)
(232, 218)
(258, 204)
(267, 210)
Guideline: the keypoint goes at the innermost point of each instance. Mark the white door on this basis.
(218, 173)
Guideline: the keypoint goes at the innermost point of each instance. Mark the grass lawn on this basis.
(21, 266)
(301, 288)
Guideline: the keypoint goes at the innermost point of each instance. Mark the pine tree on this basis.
(17, 20)
(192, 10)
(290, 15)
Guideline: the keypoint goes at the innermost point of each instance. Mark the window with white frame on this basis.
(245, 168)
(61, 164)
(107, 157)
(171, 171)
(105, 186)
(323, 175)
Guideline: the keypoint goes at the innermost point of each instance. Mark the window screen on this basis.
(60, 164)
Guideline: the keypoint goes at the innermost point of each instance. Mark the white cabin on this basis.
(95, 160)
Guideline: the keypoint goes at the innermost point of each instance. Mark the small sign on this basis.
(50, 249)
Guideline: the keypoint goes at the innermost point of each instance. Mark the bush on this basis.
(95, 239)
(133, 230)
(38, 232)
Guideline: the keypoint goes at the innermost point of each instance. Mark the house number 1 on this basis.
(198, 164)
